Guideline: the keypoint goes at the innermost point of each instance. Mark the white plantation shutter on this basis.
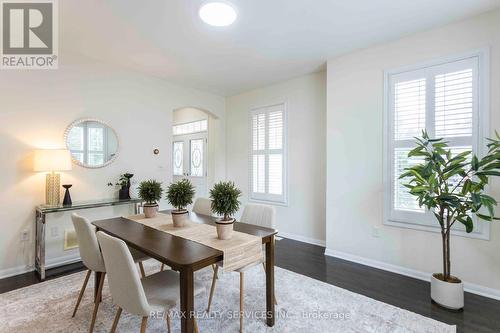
(409, 109)
(454, 104)
(442, 99)
(267, 154)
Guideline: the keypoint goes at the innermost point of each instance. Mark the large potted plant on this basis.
(180, 195)
(150, 191)
(225, 203)
(452, 187)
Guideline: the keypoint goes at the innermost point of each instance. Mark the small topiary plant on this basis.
(180, 194)
(225, 201)
(150, 191)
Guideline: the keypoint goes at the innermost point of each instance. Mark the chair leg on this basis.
(212, 288)
(144, 324)
(97, 301)
(141, 266)
(82, 291)
(169, 322)
(264, 266)
(117, 318)
(242, 277)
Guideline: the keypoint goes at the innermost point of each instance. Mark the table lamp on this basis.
(52, 160)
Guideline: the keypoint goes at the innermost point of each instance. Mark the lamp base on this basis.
(52, 189)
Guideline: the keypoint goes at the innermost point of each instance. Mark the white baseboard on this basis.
(50, 263)
(302, 239)
(8, 272)
(425, 276)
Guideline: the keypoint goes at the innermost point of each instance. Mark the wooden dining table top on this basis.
(173, 250)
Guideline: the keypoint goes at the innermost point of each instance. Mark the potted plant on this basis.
(452, 186)
(180, 195)
(150, 191)
(225, 203)
(124, 182)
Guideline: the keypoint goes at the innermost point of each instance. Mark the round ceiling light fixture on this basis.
(218, 13)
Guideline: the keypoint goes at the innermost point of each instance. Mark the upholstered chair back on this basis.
(261, 215)
(203, 206)
(124, 281)
(87, 243)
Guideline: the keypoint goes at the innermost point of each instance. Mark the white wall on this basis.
(186, 115)
(306, 106)
(355, 151)
(36, 107)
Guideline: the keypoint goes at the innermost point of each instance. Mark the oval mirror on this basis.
(93, 144)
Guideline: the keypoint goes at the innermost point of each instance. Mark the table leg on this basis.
(270, 282)
(97, 279)
(40, 244)
(187, 299)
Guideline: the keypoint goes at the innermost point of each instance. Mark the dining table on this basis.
(186, 256)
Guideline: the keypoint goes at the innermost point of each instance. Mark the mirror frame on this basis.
(82, 120)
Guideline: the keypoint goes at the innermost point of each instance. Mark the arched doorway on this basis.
(191, 151)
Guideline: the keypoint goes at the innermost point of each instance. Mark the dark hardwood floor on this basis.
(481, 315)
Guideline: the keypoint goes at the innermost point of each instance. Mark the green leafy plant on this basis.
(150, 191)
(452, 186)
(225, 201)
(124, 181)
(180, 194)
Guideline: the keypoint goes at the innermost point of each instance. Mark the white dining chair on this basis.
(92, 259)
(157, 293)
(203, 206)
(256, 214)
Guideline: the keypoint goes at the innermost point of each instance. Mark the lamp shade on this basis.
(52, 160)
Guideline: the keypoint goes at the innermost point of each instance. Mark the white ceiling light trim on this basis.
(218, 13)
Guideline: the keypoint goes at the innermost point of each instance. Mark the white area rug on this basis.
(305, 305)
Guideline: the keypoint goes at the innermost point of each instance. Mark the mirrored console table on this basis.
(40, 225)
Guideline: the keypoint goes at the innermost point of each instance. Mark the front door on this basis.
(190, 160)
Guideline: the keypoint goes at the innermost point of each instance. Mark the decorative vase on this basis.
(179, 218)
(124, 193)
(67, 196)
(150, 210)
(224, 229)
(449, 295)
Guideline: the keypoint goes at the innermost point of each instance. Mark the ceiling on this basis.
(271, 40)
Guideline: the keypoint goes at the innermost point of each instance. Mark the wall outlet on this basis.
(54, 232)
(25, 235)
(376, 232)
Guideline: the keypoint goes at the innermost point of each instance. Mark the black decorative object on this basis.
(67, 197)
(124, 182)
(124, 193)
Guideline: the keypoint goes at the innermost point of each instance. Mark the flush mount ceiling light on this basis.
(217, 13)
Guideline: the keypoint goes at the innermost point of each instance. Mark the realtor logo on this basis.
(29, 35)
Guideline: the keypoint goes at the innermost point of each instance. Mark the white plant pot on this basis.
(224, 229)
(150, 210)
(179, 218)
(447, 294)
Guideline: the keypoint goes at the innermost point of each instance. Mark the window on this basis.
(89, 143)
(178, 158)
(191, 127)
(448, 100)
(268, 154)
(196, 157)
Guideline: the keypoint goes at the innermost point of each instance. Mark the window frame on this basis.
(273, 199)
(426, 221)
